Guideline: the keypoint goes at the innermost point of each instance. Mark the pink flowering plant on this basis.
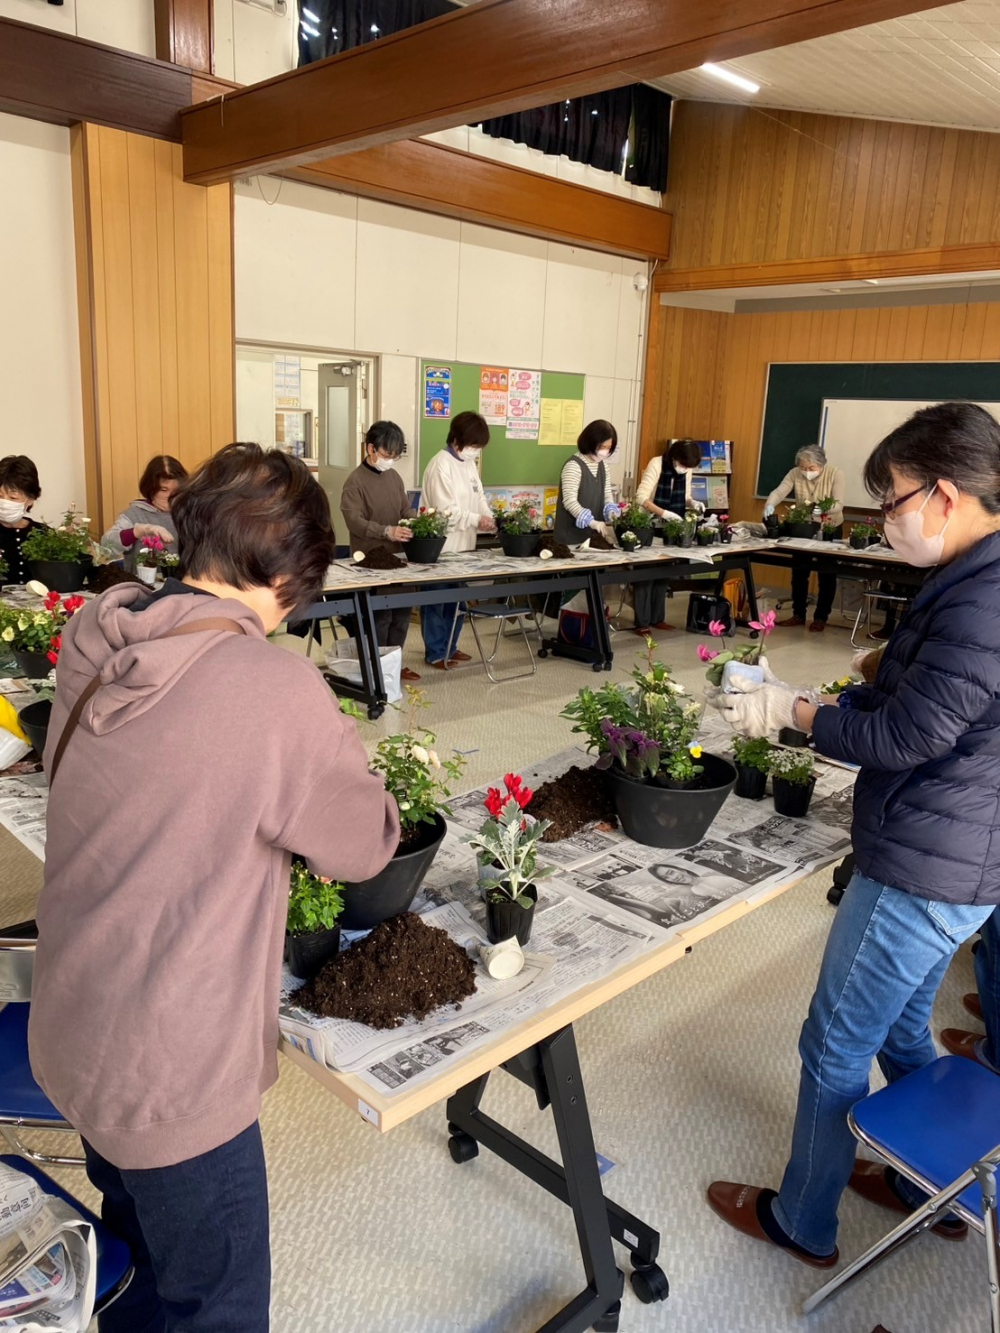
(749, 654)
(151, 552)
(516, 520)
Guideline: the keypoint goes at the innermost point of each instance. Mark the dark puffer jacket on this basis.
(927, 737)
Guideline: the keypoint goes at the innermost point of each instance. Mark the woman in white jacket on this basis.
(452, 485)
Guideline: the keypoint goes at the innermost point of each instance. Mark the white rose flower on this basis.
(432, 755)
(404, 805)
(420, 754)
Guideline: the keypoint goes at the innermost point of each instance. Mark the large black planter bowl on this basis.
(307, 954)
(802, 529)
(792, 798)
(424, 550)
(658, 816)
(520, 544)
(58, 575)
(751, 783)
(34, 720)
(393, 889)
(36, 666)
(506, 919)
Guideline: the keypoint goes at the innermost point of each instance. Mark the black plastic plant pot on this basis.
(751, 783)
(34, 721)
(507, 919)
(725, 536)
(393, 889)
(706, 537)
(57, 575)
(36, 666)
(858, 543)
(831, 534)
(659, 816)
(424, 550)
(875, 539)
(802, 529)
(644, 536)
(686, 540)
(793, 738)
(772, 527)
(520, 544)
(792, 798)
(306, 954)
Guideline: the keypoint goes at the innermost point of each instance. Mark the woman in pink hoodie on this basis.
(188, 758)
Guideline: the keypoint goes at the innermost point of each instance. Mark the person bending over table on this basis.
(585, 485)
(926, 735)
(452, 485)
(373, 503)
(665, 492)
(149, 516)
(811, 480)
(154, 1011)
(19, 489)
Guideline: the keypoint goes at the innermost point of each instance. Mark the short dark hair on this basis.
(594, 435)
(19, 473)
(164, 467)
(684, 452)
(250, 517)
(469, 431)
(387, 436)
(956, 442)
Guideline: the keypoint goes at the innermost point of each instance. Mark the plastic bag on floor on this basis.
(342, 661)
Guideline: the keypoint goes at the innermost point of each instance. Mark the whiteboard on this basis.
(850, 428)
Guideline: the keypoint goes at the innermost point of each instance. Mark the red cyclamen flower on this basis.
(495, 802)
(73, 604)
(51, 601)
(53, 657)
(56, 642)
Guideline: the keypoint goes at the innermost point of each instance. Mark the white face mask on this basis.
(810, 475)
(11, 511)
(603, 454)
(383, 464)
(905, 534)
(681, 471)
(466, 455)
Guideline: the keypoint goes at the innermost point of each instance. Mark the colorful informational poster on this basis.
(437, 391)
(493, 394)
(524, 404)
(287, 381)
(561, 422)
(549, 503)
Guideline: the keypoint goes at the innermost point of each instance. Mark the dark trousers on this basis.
(800, 592)
(198, 1232)
(650, 601)
(391, 627)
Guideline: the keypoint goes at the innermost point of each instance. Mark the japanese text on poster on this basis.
(437, 391)
(524, 405)
(561, 421)
(493, 394)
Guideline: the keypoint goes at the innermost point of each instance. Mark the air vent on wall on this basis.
(277, 7)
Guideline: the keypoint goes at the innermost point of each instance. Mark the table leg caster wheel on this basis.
(597, 666)
(375, 712)
(463, 1147)
(607, 666)
(649, 1282)
(755, 634)
(543, 652)
(608, 1323)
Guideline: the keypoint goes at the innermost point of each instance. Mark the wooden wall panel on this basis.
(707, 371)
(155, 261)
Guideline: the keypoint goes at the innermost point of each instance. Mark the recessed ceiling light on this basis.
(727, 76)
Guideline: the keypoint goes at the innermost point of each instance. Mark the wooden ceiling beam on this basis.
(494, 57)
(184, 33)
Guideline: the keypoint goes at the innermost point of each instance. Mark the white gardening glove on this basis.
(669, 517)
(153, 530)
(696, 506)
(758, 710)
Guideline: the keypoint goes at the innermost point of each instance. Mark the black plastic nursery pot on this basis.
(645, 535)
(520, 544)
(36, 666)
(306, 954)
(832, 534)
(424, 550)
(725, 536)
(802, 529)
(686, 540)
(34, 720)
(658, 816)
(706, 538)
(792, 798)
(858, 543)
(58, 575)
(793, 738)
(751, 783)
(507, 919)
(393, 889)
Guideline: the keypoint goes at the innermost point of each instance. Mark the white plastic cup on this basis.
(504, 960)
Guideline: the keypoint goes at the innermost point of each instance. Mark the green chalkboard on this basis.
(795, 393)
(505, 462)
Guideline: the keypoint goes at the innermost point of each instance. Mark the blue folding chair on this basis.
(938, 1127)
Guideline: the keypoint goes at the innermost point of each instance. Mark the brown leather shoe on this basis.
(972, 1005)
(407, 674)
(793, 622)
(439, 666)
(957, 1042)
(459, 657)
(643, 631)
(817, 627)
(868, 1180)
(737, 1205)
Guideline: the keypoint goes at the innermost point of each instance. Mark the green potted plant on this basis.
(685, 536)
(170, 564)
(628, 541)
(147, 562)
(725, 530)
(35, 637)
(312, 933)
(519, 528)
(800, 522)
(861, 535)
(672, 530)
(60, 557)
(507, 849)
(753, 763)
(831, 532)
(430, 531)
(706, 536)
(792, 781)
(633, 518)
(667, 792)
(418, 779)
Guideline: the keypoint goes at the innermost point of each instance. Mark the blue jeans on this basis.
(435, 624)
(885, 957)
(198, 1232)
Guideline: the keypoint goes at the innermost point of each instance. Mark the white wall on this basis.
(39, 333)
(322, 270)
(126, 24)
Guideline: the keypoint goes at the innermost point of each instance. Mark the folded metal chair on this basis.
(514, 612)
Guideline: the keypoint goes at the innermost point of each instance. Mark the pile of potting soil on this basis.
(559, 549)
(380, 557)
(102, 577)
(403, 967)
(601, 543)
(580, 797)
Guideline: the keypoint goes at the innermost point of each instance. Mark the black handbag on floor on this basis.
(702, 610)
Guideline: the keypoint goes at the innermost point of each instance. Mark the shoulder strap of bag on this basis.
(220, 623)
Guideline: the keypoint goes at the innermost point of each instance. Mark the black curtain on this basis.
(595, 130)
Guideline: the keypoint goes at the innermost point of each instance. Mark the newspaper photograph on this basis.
(48, 1259)
(23, 803)
(802, 841)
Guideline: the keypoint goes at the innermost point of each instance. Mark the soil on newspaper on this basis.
(559, 549)
(580, 797)
(103, 577)
(403, 967)
(380, 557)
(599, 543)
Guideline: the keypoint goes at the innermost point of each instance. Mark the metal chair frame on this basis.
(509, 612)
(869, 597)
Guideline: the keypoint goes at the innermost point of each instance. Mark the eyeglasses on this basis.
(891, 506)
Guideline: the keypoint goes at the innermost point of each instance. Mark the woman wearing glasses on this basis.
(926, 735)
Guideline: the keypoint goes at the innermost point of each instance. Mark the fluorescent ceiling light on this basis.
(727, 76)
(310, 15)
(306, 27)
